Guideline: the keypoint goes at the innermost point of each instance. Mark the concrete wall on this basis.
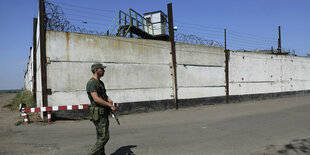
(29, 75)
(137, 70)
(140, 70)
(28, 78)
(200, 71)
(38, 68)
(257, 73)
(299, 80)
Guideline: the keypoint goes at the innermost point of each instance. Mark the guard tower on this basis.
(159, 21)
(152, 25)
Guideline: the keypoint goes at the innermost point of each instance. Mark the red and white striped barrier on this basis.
(49, 117)
(49, 109)
(56, 108)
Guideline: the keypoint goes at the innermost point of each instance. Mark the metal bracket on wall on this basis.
(48, 60)
(49, 91)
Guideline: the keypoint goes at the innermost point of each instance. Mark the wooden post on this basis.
(171, 38)
(34, 60)
(43, 53)
(226, 69)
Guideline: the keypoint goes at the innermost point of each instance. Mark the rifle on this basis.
(113, 114)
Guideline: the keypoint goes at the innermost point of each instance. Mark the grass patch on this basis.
(18, 122)
(24, 96)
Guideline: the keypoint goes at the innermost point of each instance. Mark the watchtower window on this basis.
(148, 21)
(162, 19)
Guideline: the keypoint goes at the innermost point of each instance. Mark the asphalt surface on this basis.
(226, 129)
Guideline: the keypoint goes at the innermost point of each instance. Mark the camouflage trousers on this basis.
(102, 128)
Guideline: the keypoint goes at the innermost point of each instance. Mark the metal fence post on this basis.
(279, 41)
(226, 69)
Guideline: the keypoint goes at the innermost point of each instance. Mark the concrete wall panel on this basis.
(118, 96)
(68, 98)
(295, 85)
(253, 67)
(64, 46)
(38, 69)
(28, 82)
(199, 55)
(71, 76)
(200, 71)
(68, 76)
(299, 66)
(137, 95)
(254, 88)
(200, 76)
(124, 76)
(200, 92)
(254, 73)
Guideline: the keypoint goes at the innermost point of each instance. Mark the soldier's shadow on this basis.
(124, 150)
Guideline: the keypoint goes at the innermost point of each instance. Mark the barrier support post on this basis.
(49, 117)
(25, 117)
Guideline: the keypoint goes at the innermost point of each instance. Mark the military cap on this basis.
(96, 66)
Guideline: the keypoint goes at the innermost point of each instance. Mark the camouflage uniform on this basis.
(99, 115)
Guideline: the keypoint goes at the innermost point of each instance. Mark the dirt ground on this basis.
(220, 129)
(7, 117)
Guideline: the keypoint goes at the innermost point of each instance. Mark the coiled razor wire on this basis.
(55, 20)
(192, 39)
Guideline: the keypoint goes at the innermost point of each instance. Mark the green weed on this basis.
(21, 97)
(18, 122)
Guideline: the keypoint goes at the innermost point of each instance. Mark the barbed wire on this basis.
(82, 7)
(56, 20)
(192, 39)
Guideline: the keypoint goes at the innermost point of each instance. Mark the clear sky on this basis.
(250, 24)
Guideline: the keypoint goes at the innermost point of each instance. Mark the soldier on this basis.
(101, 104)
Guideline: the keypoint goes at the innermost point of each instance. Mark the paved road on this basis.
(234, 129)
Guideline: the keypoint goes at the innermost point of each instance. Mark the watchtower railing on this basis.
(129, 20)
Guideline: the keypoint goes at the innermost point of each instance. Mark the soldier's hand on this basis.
(109, 100)
(113, 107)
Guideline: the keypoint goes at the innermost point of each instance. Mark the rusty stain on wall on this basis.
(67, 51)
(116, 45)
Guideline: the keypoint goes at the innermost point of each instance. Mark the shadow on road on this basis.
(124, 150)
